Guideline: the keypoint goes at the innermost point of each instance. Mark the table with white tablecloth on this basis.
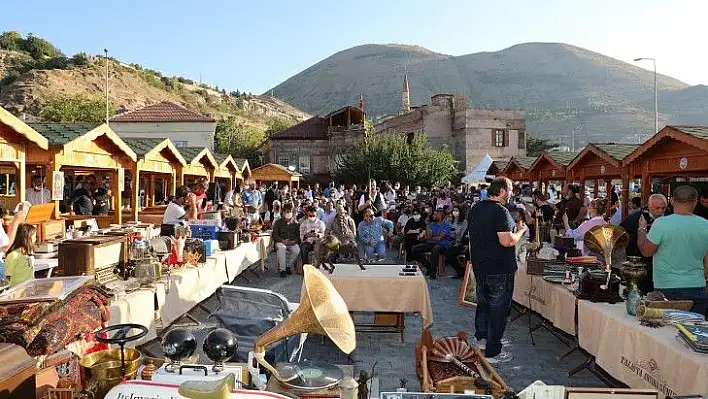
(176, 294)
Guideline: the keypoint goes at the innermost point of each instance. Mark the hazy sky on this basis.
(254, 45)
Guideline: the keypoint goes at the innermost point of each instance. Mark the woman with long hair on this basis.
(20, 260)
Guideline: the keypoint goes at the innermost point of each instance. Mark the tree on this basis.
(10, 40)
(76, 108)
(239, 140)
(406, 159)
(535, 146)
(39, 48)
(80, 59)
(276, 125)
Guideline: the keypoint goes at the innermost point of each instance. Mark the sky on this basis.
(255, 45)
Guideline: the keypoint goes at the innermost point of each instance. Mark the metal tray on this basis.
(43, 289)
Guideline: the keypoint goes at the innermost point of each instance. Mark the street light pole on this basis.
(105, 51)
(656, 95)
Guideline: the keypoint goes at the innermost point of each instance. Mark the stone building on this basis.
(470, 133)
(313, 147)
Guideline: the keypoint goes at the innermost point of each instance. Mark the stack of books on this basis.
(695, 335)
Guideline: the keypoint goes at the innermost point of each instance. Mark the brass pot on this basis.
(633, 270)
(101, 370)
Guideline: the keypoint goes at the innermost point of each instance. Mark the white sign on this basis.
(602, 169)
(148, 390)
(683, 163)
(57, 186)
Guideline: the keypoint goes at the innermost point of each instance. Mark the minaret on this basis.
(405, 95)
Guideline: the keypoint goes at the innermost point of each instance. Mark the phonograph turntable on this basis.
(602, 285)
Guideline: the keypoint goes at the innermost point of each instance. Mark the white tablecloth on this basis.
(185, 288)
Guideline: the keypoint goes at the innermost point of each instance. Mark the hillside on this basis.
(563, 88)
(131, 87)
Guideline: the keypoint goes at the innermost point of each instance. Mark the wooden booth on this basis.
(276, 173)
(497, 167)
(80, 149)
(200, 163)
(227, 171)
(599, 162)
(675, 152)
(550, 166)
(245, 169)
(518, 168)
(156, 172)
(16, 140)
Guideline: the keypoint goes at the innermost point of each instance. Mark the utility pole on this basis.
(105, 52)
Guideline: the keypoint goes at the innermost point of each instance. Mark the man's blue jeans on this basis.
(494, 292)
(698, 295)
(379, 249)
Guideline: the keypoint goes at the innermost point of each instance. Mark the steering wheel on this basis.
(121, 337)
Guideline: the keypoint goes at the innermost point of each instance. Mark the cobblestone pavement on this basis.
(395, 360)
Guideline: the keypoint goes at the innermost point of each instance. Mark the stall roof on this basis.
(192, 154)
(61, 134)
(696, 136)
(22, 128)
(559, 159)
(263, 172)
(144, 147)
(243, 165)
(524, 162)
(613, 153)
(223, 159)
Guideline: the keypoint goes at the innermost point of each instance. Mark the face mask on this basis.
(427, 210)
(455, 213)
(37, 188)
(312, 218)
(288, 215)
(416, 217)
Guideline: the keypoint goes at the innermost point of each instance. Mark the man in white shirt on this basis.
(328, 214)
(38, 194)
(176, 212)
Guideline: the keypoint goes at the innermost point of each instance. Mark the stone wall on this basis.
(317, 151)
(478, 127)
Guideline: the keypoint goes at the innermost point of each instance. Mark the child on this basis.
(19, 262)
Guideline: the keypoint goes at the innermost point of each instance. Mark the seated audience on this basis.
(436, 242)
(311, 230)
(413, 233)
(286, 235)
(371, 234)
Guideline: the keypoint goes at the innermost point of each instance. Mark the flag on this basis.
(361, 102)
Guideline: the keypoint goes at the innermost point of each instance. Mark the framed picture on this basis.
(606, 393)
(57, 186)
(121, 179)
(468, 290)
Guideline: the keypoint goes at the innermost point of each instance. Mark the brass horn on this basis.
(606, 240)
(322, 311)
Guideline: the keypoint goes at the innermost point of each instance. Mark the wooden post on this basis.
(21, 183)
(117, 197)
(625, 195)
(135, 189)
(173, 182)
(150, 198)
(646, 183)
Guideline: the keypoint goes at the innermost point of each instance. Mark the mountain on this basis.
(27, 82)
(565, 89)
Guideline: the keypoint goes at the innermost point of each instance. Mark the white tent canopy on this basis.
(479, 172)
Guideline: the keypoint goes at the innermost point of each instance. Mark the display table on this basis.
(639, 356)
(183, 289)
(552, 301)
(379, 288)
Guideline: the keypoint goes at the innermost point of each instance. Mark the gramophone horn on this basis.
(605, 240)
(322, 311)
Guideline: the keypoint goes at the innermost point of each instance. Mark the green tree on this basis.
(400, 158)
(276, 125)
(76, 108)
(80, 59)
(11, 40)
(239, 140)
(535, 146)
(39, 48)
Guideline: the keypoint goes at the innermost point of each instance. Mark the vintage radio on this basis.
(47, 228)
(94, 256)
(227, 240)
(18, 373)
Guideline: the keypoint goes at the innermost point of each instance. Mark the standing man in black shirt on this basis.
(493, 237)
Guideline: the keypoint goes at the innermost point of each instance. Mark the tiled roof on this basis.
(616, 151)
(500, 164)
(277, 166)
(220, 158)
(142, 146)
(314, 128)
(189, 153)
(700, 132)
(561, 157)
(525, 162)
(59, 134)
(163, 111)
(240, 161)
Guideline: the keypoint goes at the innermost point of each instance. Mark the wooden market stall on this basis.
(227, 171)
(244, 167)
(600, 162)
(674, 152)
(276, 173)
(156, 171)
(550, 166)
(80, 149)
(200, 163)
(518, 168)
(497, 167)
(16, 140)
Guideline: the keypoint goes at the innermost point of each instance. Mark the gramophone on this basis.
(601, 285)
(322, 311)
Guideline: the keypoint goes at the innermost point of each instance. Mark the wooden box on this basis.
(17, 373)
(387, 319)
(89, 255)
(47, 228)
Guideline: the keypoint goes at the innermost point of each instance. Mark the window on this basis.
(522, 139)
(304, 164)
(181, 144)
(284, 159)
(499, 138)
